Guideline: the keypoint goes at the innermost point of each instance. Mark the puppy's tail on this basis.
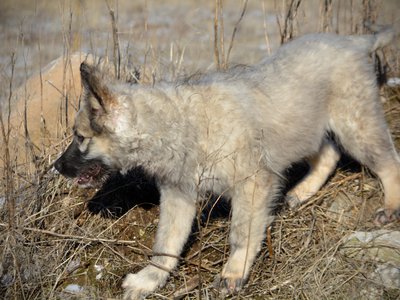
(383, 35)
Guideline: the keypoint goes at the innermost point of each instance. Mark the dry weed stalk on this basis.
(235, 28)
(30, 147)
(287, 31)
(369, 14)
(116, 47)
(221, 59)
(217, 32)
(265, 28)
(326, 12)
(67, 38)
(5, 132)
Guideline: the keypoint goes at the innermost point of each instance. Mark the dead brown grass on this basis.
(49, 239)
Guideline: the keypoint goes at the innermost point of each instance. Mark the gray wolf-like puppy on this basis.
(234, 134)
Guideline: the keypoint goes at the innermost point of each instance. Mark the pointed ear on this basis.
(94, 84)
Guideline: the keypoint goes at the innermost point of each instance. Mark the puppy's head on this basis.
(87, 158)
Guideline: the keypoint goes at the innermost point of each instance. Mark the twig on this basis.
(189, 286)
(216, 22)
(116, 49)
(10, 200)
(269, 242)
(265, 29)
(75, 237)
(326, 12)
(234, 32)
(221, 32)
(287, 33)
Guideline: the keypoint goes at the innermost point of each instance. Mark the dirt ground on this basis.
(59, 242)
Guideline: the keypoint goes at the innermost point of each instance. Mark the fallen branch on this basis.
(188, 287)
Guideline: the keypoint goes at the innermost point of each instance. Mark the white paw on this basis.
(293, 201)
(228, 285)
(139, 285)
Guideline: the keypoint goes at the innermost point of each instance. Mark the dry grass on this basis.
(51, 233)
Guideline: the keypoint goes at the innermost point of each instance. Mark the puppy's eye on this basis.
(80, 138)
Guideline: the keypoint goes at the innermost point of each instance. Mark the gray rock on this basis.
(380, 245)
(387, 275)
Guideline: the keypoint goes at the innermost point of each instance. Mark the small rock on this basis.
(342, 206)
(387, 275)
(6, 279)
(73, 265)
(380, 245)
(371, 292)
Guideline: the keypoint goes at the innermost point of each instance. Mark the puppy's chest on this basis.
(218, 176)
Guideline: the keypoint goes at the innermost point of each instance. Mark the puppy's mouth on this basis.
(93, 176)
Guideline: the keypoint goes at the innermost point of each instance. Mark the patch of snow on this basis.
(73, 288)
(393, 82)
(98, 269)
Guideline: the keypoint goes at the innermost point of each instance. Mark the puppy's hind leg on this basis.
(377, 152)
(321, 166)
(364, 134)
(389, 173)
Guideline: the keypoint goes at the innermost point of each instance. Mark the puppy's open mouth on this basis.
(93, 176)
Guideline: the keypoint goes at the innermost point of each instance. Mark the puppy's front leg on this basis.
(177, 211)
(251, 214)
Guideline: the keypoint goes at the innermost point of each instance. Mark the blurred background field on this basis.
(58, 242)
